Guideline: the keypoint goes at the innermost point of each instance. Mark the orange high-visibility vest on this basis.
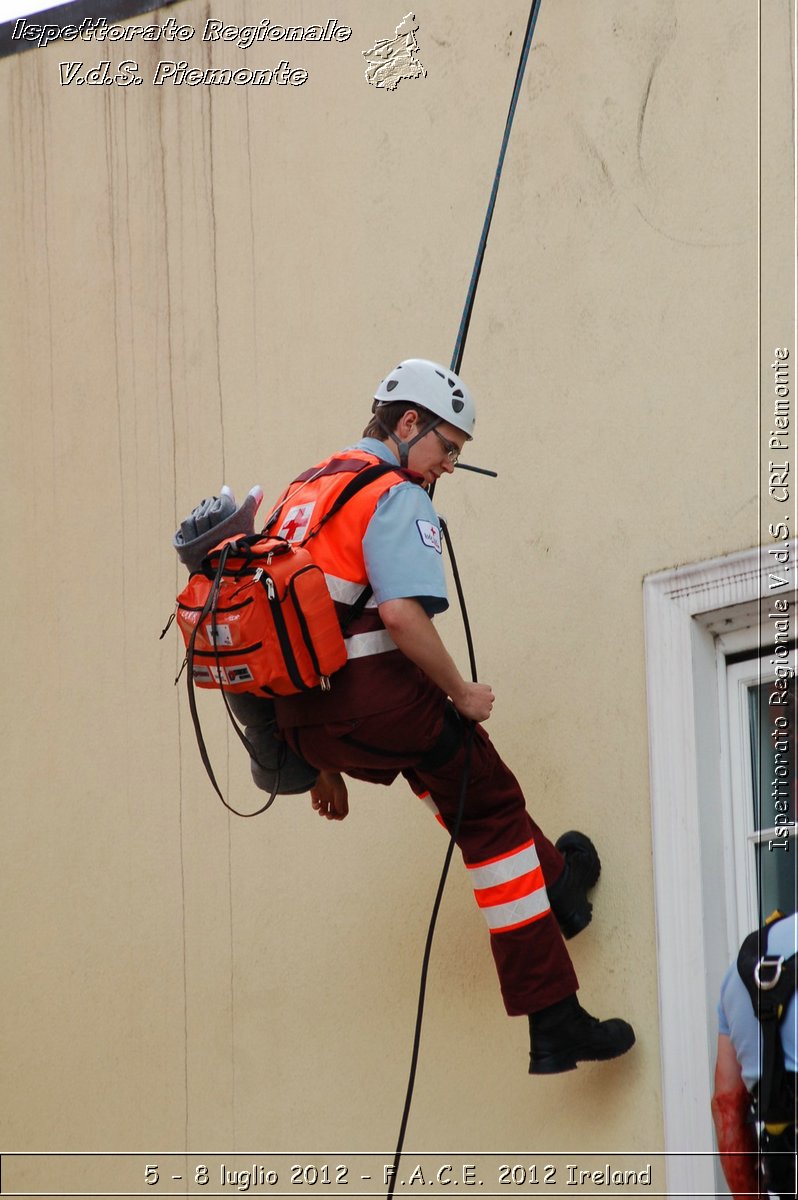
(374, 662)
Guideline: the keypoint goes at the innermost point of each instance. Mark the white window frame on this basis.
(687, 611)
(738, 678)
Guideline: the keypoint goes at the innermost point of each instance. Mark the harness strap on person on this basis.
(770, 981)
(444, 748)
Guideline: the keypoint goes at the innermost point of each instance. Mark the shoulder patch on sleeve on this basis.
(430, 535)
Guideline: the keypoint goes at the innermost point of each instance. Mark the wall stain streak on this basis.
(231, 928)
(208, 114)
(691, 241)
(665, 46)
(41, 108)
(110, 193)
(254, 277)
(164, 223)
(666, 43)
(791, 44)
(593, 152)
(214, 252)
(642, 114)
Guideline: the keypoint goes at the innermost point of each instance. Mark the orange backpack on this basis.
(259, 618)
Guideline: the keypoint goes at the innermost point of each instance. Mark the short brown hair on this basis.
(389, 415)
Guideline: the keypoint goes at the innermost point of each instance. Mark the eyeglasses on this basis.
(452, 452)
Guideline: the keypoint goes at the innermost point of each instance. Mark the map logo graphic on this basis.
(390, 60)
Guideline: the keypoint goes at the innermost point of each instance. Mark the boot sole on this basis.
(574, 840)
(556, 1064)
(572, 925)
(574, 922)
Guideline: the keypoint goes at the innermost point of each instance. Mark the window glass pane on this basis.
(775, 791)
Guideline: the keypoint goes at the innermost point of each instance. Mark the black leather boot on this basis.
(564, 1034)
(568, 896)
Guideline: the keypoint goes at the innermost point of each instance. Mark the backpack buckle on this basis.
(773, 964)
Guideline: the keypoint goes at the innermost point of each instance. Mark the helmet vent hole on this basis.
(458, 405)
(441, 374)
(391, 384)
(460, 394)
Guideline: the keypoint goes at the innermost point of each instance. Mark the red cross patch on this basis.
(430, 535)
(296, 521)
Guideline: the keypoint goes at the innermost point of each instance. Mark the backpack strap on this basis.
(770, 981)
(363, 474)
(355, 485)
(361, 480)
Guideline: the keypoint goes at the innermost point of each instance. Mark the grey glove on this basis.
(213, 520)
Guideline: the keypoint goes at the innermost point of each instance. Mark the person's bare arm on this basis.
(417, 638)
(329, 796)
(736, 1136)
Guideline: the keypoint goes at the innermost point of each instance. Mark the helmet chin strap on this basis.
(403, 448)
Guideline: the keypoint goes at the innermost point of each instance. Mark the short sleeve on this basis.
(723, 1020)
(402, 549)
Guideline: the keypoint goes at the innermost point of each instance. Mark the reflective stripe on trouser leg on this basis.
(510, 889)
(531, 958)
(429, 803)
(532, 961)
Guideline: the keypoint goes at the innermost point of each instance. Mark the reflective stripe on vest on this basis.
(361, 644)
(344, 592)
(510, 889)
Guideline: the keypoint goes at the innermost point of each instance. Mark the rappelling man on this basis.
(401, 706)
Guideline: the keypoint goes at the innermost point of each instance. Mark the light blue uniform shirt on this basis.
(402, 545)
(736, 1016)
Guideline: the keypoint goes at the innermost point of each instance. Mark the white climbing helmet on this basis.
(430, 386)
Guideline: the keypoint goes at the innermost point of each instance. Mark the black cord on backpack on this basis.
(210, 609)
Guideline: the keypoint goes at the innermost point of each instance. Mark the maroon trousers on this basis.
(508, 857)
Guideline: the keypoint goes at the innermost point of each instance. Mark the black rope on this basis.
(468, 307)
(465, 321)
(472, 662)
(457, 358)
(468, 742)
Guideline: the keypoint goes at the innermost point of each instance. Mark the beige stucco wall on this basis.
(204, 285)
